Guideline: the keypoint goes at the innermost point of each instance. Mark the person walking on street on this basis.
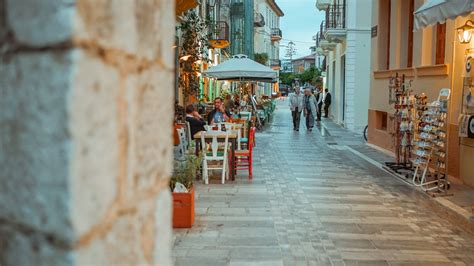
(319, 101)
(327, 103)
(309, 109)
(296, 106)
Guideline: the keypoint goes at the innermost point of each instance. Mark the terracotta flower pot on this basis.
(183, 209)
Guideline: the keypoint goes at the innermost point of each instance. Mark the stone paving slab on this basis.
(311, 203)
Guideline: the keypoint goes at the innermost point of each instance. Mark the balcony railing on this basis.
(219, 34)
(319, 37)
(276, 63)
(276, 34)
(336, 17)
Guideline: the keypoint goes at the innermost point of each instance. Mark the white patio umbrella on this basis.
(241, 68)
(438, 11)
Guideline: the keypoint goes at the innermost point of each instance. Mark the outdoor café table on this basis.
(232, 139)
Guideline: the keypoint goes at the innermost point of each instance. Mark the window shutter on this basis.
(440, 43)
(410, 34)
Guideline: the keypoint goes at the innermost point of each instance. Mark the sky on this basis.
(300, 22)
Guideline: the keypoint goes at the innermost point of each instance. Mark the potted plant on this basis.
(185, 172)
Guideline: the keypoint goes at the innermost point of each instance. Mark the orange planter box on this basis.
(183, 209)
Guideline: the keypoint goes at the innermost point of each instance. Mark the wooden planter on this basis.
(183, 209)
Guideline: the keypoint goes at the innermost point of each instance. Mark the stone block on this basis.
(149, 103)
(120, 245)
(40, 23)
(35, 141)
(163, 229)
(136, 27)
(19, 247)
(141, 236)
(98, 127)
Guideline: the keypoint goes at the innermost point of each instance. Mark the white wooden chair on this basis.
(215, 151)
(183, 137)
(181, 148)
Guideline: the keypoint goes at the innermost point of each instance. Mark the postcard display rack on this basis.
(431, 145)
(403, 101)
(466, 118)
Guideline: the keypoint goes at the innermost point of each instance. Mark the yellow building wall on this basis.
(427, 77)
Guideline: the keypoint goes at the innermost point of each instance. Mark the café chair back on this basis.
(244, 157)
(180, 149)
(215, 152)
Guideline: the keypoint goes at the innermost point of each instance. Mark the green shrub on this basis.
(187, 170)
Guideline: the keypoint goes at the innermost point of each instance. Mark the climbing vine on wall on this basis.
(192, 52)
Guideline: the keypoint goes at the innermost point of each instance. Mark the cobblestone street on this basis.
(313, 202)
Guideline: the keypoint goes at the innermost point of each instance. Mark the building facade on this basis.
(432, 58)
(304, 63)
(241, 25)
(344, 40)
(267, 36)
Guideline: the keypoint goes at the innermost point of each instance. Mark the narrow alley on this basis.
(313, 202)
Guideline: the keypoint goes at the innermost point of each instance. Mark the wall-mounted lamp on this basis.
(465, 32)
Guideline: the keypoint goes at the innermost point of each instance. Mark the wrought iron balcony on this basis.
(335, 23)
(336, 17)
(324, 45)
(219, 34)
(318, 38)
(276, 34)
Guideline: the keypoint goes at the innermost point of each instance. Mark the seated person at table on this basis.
(196, 123)
(218, 115)
(228, 104)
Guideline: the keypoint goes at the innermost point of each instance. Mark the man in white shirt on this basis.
(296, 106)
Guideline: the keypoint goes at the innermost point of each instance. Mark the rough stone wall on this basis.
(86, 91)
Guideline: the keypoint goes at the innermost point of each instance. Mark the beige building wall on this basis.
(262, 35)
(85, 115)
(348, 67)
(426, 75)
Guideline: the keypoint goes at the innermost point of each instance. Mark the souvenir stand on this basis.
(403, 101)
(431, 146)
(466, 118)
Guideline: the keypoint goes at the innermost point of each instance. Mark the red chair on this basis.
(243, 158)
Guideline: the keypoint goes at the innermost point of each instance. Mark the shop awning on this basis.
(241, 68)
(438, 11)
(184, 5)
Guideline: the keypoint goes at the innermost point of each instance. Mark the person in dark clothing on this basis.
(310, 109)
(319, 101)
(196, 123)
(327, 103)
(219, 114)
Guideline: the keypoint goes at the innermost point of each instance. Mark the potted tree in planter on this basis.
(183, 201)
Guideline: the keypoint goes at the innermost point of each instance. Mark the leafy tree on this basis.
(311, 75)
(287, 78)
(193, 49)
(262, 58)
